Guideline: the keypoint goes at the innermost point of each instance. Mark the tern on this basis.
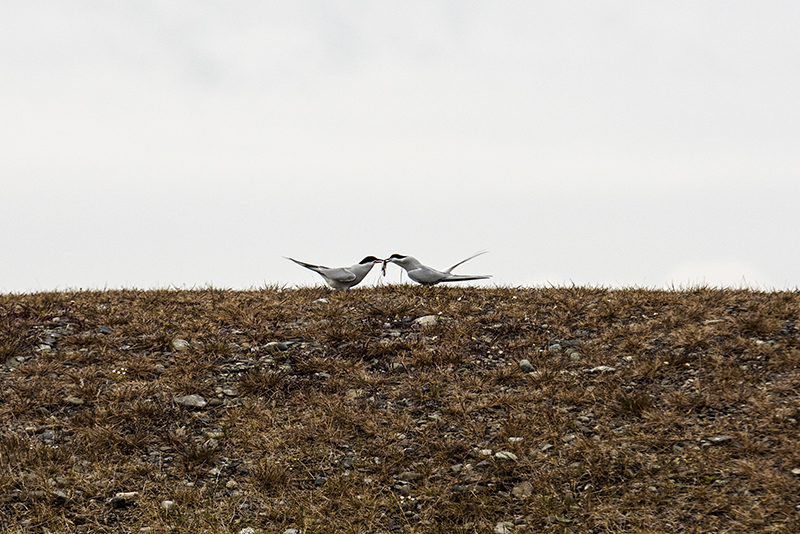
(342, 278)
(428, 276)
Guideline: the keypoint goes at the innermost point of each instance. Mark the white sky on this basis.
(183, 144)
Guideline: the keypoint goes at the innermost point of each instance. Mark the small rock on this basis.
(410, 476)
(168, 505)
(319, 301)
(247, 530)
(47, 436)
(231, 484)
(600, 369)
(796, 471)
(75, 401)
(426, 320)
(525, 366)
(505, 455)
(523, 490)
(292, 531)
(13, 363)
(320, 481)
(104, 330)
(504, 527)
(555, 347)
(180, 344)
(191, 401)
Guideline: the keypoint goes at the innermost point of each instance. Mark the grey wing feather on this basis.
(340, 274)
(306, 265)
(448, 271)
(465, 277)
(426, 276)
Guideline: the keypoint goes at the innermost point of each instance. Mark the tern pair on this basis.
(343, 278)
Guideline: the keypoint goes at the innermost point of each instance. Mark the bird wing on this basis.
(339, 274)
(427, 275)
(448, 271)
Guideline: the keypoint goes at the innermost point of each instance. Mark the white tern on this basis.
(422, 274)
(342, 278)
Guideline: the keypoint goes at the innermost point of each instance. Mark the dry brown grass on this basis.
(348, 416)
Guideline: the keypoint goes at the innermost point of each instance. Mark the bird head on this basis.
(406, 262)
(371, 259)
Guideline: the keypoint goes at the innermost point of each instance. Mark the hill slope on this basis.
(400, 409)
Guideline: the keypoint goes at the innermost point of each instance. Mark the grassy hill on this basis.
(400, 409)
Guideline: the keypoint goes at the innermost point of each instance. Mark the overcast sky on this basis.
(185, 144)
